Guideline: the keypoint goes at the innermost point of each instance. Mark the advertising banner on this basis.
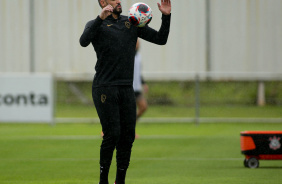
(26, 98)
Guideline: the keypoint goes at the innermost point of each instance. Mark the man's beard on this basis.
(116, 11)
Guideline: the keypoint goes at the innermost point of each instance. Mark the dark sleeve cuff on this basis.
(166, 17)
(142, 80)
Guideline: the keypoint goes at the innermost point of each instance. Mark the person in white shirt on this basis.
(139, 85)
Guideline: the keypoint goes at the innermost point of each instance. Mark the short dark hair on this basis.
(99, 3)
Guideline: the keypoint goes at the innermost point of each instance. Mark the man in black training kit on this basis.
(114, 40)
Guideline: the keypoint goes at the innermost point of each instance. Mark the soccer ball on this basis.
(140, 14)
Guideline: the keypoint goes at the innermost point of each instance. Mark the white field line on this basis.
(179, 120)
(168, 120)
(93, 137)
(132, 159)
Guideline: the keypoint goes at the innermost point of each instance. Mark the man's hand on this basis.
(106, 12)
(165, 7)
(145, 88)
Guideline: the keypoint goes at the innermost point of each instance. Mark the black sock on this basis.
(104, 173)
(120, 178)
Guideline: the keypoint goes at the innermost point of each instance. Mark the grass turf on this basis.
(165, 153)
(82, 111)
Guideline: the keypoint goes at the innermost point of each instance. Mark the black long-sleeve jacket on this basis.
(114, 41)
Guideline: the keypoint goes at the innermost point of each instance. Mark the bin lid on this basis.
(261, 132)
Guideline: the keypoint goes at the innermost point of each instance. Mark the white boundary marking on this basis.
(96, 137)
(172, 120)
(178, 120)
(132, 159)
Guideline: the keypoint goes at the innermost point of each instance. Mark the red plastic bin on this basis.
(260, 145)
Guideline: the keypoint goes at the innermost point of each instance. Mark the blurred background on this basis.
(222, 62)
(221, 68)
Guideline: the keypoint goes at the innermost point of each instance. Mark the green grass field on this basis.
(164, 154)
(177, 99)
(82, 111)
(168, 153)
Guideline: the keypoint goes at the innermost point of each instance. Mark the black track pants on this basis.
(116, 108)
